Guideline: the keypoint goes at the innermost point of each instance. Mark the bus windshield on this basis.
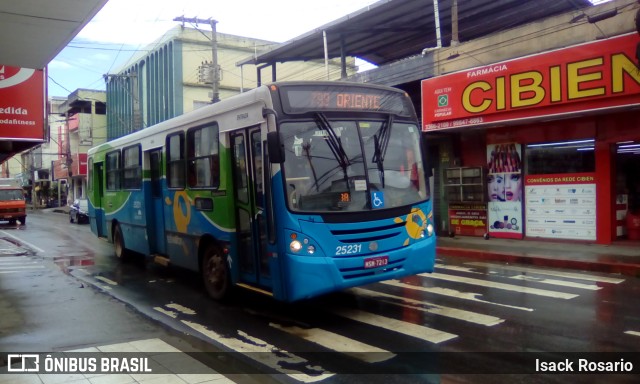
(352, 165)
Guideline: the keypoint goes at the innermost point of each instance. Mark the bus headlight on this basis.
(430, 229)
(295, 246)
(311, 249)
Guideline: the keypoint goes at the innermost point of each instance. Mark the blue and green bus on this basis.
(293, 189)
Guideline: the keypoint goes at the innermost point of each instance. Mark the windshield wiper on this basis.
(381, 143)
(335, 145)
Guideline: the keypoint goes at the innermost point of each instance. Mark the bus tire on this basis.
(118, 243)
(215, 273)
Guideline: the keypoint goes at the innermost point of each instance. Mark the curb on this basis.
(627, 269)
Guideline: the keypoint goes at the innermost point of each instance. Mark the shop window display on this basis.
(560, 157)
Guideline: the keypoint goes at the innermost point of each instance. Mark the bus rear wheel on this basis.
(118, 243)
(215, 273)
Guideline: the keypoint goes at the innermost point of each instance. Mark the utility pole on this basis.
(454, 24)
(214, 62)
(215, 83)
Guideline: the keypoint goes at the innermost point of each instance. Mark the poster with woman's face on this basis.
(504, 181)
(504, 190)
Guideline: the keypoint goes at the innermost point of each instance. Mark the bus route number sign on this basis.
(375, 262)
(346, 100)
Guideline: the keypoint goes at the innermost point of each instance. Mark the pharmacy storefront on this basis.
(556, 135)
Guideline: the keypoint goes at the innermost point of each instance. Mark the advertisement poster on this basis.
(468, 219)
(561, 206)
(504, 190)
(22, 103)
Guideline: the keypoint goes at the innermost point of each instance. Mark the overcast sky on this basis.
(124, 26)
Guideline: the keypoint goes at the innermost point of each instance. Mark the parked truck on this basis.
(13, 207)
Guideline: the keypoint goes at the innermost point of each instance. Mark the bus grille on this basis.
(362, 235)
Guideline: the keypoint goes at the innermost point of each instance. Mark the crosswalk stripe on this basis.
(570, 275)
(17, 264)
(507, 287)
(10, 263)
(425, 306)
(277, 358)
(12, 258)
(471, 296)
(457, 268)
(561, 283)
(23, 267)
(418, 331)
(339, 343)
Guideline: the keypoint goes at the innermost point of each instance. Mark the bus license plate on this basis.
(375, 262)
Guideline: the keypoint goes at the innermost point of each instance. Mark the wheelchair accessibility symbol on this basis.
(377, 200)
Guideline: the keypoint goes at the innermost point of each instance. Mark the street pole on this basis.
(215, 81)
(215, 78)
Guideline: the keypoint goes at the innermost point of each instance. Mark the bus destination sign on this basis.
(308, 99)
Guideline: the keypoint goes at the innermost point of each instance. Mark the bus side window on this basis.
(202, 157)
(175, 161)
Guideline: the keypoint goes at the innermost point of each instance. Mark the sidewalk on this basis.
(620, 257)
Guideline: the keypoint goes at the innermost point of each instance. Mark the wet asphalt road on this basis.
(466, 306)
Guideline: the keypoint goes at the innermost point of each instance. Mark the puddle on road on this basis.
(66, 263)
(70, 262)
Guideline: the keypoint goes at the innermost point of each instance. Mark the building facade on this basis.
(546, 142)
(174, 76)
(82, 125)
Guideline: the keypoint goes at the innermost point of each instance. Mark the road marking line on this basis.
(414, 330)
(276, 358)
(425, 306)
(561, 283)
(171, 314)
(457, 268)
(634, 333)
(570, 275)
(104, 279)
(181, 309)
(471, 296)
(23, 242)
(506, 287)
(338, 343)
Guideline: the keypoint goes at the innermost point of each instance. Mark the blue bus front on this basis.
(356, 207)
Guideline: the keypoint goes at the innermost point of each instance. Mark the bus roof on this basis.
(203, 114)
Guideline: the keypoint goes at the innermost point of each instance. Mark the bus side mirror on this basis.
(275, 148)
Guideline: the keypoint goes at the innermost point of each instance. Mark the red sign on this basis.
(601, 74)
(79, 164)
(22, 103)
(468, 219)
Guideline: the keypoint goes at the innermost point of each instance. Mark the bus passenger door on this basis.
(155, 205)
(251, 217)
(98, 185)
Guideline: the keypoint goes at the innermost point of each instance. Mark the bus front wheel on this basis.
(118, 243)
(215, 273)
